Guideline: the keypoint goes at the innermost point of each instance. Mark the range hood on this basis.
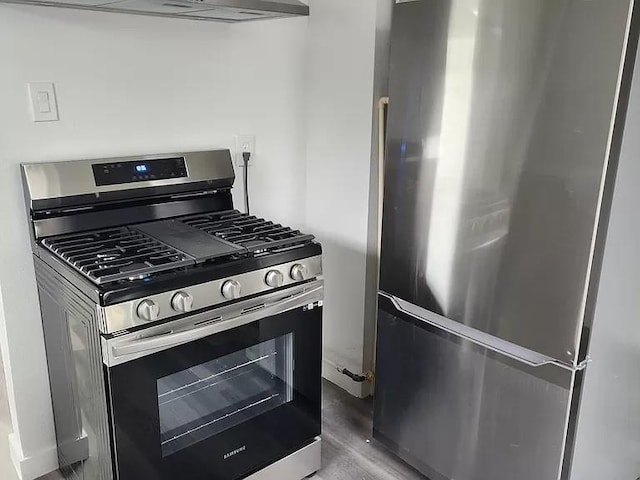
(231, 11)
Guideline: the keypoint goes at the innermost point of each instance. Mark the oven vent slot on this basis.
(252, 309)
(207, 322)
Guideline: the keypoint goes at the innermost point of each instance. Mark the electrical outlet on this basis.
(245, 143)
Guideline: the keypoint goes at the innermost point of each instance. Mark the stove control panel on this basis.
(117, 173)
(208, 295)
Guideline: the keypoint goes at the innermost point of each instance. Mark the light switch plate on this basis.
(44, 106)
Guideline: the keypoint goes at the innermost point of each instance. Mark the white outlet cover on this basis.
(248, 140)
(44, 106)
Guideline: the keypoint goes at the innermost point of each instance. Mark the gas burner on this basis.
(116, 254)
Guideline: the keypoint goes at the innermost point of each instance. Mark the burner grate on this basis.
(253, 233)
(128, 253)
(116, 254)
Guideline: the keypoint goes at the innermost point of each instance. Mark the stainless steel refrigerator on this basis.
(508, 329)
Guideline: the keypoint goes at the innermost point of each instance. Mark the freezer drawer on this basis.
(456, 410)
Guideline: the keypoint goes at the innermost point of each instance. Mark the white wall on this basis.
(343, 83)
(127, 85)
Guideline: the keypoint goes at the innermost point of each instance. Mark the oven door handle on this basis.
(129, 347)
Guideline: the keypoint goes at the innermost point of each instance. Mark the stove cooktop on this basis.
(141, 251)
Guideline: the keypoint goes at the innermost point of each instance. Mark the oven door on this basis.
(219, 394)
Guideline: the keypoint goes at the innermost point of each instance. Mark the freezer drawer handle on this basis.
(508, 349)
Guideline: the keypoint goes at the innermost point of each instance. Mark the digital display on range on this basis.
(130, 172)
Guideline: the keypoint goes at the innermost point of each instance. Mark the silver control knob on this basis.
(148, 310)
(182, 302)
(274, 278)
(231, 289)
(298, 272)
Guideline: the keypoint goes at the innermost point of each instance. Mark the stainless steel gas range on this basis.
(183, 337)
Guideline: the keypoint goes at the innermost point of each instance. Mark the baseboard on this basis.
(360, 390)
(30, 468)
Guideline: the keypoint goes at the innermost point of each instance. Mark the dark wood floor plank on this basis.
(348, 452)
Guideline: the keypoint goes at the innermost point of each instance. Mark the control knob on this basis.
(274, 278)
(182, 302)
(298, 272)
(148, 310)
(231, 289)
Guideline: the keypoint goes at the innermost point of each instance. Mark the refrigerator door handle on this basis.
(490, 342)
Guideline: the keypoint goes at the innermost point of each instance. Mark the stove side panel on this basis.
(76, 377)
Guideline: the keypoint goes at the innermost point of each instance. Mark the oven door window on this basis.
(202, 401)
(220, 407)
